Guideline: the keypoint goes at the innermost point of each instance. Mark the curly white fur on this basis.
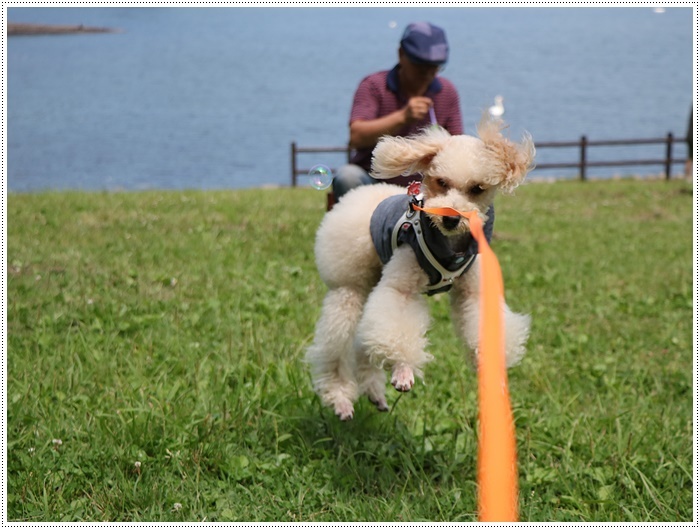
(375, 318)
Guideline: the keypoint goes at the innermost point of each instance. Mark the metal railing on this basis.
(584, 144)
(582, 164)
(302, 150)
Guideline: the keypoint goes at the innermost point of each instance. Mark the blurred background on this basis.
(211, 98)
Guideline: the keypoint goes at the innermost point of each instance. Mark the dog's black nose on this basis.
(450, 223)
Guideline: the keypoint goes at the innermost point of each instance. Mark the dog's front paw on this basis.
(344, 410)
(402, 378)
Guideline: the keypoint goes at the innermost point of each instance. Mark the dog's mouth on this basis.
(446, 212)
(449, 220)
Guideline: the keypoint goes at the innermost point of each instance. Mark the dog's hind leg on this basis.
(371, 379)
(330, 356)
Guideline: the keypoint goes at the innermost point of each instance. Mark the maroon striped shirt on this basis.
(378, 95)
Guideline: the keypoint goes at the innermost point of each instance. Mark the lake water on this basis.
(212, 97)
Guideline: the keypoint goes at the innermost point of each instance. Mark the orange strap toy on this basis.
(497, 475)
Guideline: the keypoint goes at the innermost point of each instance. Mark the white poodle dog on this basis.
(379, 256)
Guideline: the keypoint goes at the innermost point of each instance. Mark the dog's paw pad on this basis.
(402, 378)
(345, 411)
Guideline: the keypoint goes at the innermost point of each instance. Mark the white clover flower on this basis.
(177, 507)
(57, 443)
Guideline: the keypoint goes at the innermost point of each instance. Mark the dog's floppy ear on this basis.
(395, 156)
(516, 159)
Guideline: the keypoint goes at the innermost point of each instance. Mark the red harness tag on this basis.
(414, 188)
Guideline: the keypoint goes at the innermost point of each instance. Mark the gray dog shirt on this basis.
(394, 223)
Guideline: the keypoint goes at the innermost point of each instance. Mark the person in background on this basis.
(689, 140)
(400, 102)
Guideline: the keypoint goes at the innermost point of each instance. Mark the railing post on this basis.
(669, 152)
(582, 163)
(294, 164)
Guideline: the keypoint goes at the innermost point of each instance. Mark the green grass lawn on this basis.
(155, 364)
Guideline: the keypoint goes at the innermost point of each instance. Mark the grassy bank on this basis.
(154, 364)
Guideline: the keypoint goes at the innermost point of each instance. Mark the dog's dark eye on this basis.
(442, 183)
(476, 190)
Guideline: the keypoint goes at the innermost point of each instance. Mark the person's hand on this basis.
(417, 109)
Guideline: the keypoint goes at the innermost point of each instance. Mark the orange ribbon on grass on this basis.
(497, 474)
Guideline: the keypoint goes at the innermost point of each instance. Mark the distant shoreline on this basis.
(20, 29)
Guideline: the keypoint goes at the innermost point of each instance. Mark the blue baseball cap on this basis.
(425, 43)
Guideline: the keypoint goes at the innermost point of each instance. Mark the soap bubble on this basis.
(320, 177)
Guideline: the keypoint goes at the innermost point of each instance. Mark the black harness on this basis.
(395, 222)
